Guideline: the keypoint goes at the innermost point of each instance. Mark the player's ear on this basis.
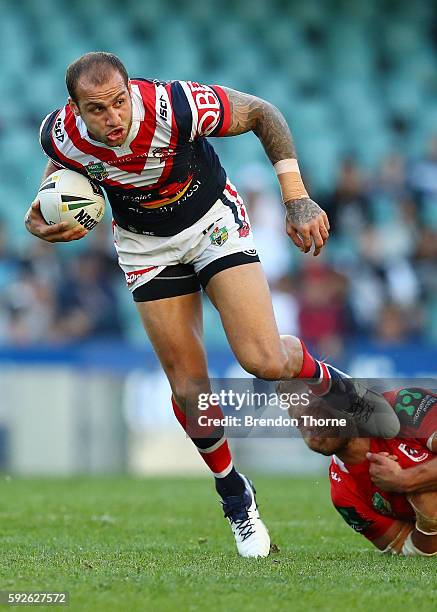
(129, 86)
(74, 107)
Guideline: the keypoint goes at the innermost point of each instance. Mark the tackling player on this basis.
(387, 489)
(179, 224)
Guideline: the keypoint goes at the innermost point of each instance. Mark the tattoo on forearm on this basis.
(302, 211)
(249, 113)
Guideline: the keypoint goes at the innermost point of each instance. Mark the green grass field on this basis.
(161, 544)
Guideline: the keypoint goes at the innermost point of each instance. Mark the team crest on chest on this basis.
(219, 236)
(96, 171)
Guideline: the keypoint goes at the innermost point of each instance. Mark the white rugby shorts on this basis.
(223, 231)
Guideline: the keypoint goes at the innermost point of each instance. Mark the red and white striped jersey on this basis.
(166, 175)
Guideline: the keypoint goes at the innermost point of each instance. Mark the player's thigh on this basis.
(174, 327)
(242, 297)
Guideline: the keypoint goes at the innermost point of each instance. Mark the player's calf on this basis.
(237, 494)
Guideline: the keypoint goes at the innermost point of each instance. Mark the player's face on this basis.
(105, 109)
(326, 446)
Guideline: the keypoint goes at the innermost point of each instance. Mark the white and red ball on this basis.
(67, 196)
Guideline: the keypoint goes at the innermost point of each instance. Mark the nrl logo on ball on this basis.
(96, 171)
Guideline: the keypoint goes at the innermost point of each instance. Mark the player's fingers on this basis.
(385, 454)
(57, 228)
(75, 234)
(295, 237)
(305, 236)
(375, 458)
(326, 221)
(68, 235)
(35, 205)
(318, 241)
(324, 232)
(79, 236)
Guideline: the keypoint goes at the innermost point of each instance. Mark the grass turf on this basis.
(160, 544)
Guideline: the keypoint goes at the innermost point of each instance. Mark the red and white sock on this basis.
(213, 445)
(316, 372)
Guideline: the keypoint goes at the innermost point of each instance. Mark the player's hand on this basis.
(306, 224)
(385, 472)
(36, 225)
(384, 454)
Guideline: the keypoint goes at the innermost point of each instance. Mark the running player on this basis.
(179, 225)
(387, 489)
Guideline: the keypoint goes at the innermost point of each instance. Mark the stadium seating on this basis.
(351, 77)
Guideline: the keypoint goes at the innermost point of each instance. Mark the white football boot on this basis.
(250, 533)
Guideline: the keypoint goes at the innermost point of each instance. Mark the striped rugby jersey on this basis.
(166, 175)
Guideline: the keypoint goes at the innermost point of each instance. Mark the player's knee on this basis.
(425, 508)
(265, 365)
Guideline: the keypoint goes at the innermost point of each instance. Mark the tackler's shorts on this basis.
(158, 267)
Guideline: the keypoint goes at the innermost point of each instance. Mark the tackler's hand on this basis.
(385, 472)
(36, 225)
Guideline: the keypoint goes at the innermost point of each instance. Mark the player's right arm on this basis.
(306, 222)
(36, 225)
(220, 111)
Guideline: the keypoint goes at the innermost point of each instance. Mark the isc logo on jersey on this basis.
(67, 196)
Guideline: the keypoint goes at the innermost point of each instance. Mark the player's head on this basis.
(99, 89)
(326, 446)
(316, 424)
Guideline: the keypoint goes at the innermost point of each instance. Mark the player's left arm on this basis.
(306, 222)
(387, 474)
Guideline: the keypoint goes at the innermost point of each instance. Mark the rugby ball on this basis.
(67, 196)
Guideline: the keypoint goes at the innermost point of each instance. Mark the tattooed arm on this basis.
(306, 222)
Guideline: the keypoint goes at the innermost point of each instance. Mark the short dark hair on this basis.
(97, 65)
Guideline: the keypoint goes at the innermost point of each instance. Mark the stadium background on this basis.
(80, 388)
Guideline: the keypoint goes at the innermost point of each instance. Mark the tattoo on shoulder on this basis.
(249, 113)
(244, 111)
(302, 211)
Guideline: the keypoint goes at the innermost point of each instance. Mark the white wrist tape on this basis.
(410, 550)
(286, 165)
(290, 180)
